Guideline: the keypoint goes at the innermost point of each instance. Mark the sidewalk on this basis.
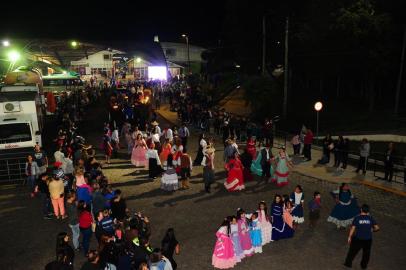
(323, 172)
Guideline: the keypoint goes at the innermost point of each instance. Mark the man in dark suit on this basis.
(266, 156)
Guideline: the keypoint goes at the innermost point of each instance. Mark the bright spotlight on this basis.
(13, 56)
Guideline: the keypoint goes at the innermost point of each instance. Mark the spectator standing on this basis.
(170, 246)
(32, 171)
(389, 162)
(63, 248)
(184, 134)
(72, 210)
(56, 190)
(43, 193)
(85, 225)
(364, 151)
(307, 149)
(296, 144)
(360, 237)
(41, 158)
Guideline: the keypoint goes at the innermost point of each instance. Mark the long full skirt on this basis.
(343, 215)
(169, 180)
(280, 177)
(138, 157)
(154, 169)
(280, 229)
(235, 180)
(266, 231)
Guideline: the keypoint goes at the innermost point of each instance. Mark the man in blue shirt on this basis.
(360, 237)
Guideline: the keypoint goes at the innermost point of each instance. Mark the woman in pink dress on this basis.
(251, 149)
(138, 155)
(235, 178)
(264, 223)
(223, 254)
(243, 232)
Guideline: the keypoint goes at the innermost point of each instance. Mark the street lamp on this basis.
(188, 51)
(6, 43)
(74, 44)
(138, 59)
(317, 106)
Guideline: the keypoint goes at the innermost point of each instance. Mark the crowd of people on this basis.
(76, 189)
(244, 234)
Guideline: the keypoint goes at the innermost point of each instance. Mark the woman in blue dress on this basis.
(280, 229)
(256, 167)
(297, 199)
(346, 207)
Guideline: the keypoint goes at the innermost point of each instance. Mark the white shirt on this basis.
(59, 156)
(155, 138)
(298, 198)
(114, 135)
(67, 166)
(168, 134)
(203, 143)
(152, 153)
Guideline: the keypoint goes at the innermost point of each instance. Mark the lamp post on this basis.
(188, 50)
(317, 106)
(5, 43)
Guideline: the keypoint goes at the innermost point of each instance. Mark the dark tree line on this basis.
(342, 52)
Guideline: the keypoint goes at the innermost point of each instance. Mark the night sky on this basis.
(121, 21)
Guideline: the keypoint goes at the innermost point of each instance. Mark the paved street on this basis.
(28, 241)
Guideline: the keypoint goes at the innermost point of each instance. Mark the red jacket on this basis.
(308, 139)
(85, 219)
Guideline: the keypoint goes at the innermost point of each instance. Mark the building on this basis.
(99, 63)
(177, 53)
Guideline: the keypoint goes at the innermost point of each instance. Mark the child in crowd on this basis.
(264, 223)
(314, 209)
(223, 255)
(255, 233)
(297, 199)
(239, 253)
(186, 168)
(243, 233)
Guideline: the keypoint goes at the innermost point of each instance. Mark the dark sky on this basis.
(119, 20)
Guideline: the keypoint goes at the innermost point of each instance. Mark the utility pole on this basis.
(399, 83)
(286, 72)
(263, 44)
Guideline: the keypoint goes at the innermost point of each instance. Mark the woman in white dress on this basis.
(169, 180)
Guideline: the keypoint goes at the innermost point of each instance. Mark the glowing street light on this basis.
(138, 59)
(74, 44)
(6, 43)
(188, 50)
(13, 56)
(317, 106)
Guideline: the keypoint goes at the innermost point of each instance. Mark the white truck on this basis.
(22, 107)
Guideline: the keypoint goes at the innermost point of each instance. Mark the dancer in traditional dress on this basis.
(258, 164)
(208, 169)
(239, 253)
(223, 254)
(280, 229)
(243, 232)
(166, 150)
(251, 149)
(177, 151)
(138, 156)
(200, 152)
(255, 233)
(235, 178)
(154, 163)
(346, 207)
(169, 179)
(283, 164)
(297, 199)
(264, 223)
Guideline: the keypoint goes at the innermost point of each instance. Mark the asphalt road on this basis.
(28, 241)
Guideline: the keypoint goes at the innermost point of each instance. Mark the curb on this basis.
(365, 183)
